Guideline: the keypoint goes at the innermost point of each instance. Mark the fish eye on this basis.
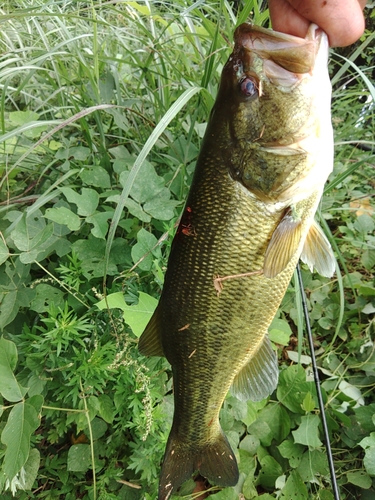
(248, 86)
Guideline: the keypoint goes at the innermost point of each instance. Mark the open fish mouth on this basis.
(286, 58)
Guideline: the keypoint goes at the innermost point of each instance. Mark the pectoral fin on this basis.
(317, 252)
(283, 245)
(150, 340)
(258, 378)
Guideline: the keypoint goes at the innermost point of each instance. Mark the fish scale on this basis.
(250, 210)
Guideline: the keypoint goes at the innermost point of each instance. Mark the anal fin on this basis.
(317, 252)
(150, 340)
(258, 378)
(283, 245)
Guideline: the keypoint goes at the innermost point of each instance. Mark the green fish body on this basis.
(249, 216)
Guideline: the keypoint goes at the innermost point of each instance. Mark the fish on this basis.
(249, 216)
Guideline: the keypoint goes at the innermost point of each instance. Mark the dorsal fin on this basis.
(283, 245)
(258, 378)
(150, 341)
(317, 252)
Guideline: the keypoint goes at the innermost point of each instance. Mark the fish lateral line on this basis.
(218, 279)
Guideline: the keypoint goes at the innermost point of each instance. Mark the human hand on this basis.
(342, 20)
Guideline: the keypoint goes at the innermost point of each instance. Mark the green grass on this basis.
(103, 107)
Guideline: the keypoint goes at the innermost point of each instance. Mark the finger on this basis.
(342, 20)
(285, 18)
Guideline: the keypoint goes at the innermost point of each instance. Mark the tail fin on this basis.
(215, 461)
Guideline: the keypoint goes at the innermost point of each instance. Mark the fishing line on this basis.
(317, 384)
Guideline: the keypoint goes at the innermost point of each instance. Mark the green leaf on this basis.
(147, 184)
(18, 118)
(279, 331)
(262, 431)
(250, 444)
(369, 460)
(314, 464)
(136, 316)
(79, 458)
(279, 337)
(136, 210)
(4, 251)
(238, 408)
(86, 202)
(54, 145)
(364, 224)
(96, 176)
(9, 387)
(308, 403)
(292, 388)
(112, 301)
(80, 153)
(248, 466)
(139, 315)
(14, 294)
(144, 249)
(27, 475)
(326, 495)
(253, 409)
(368, 309)
(45, 296)
(364, 416)
(106, 408)
(29, 231)
(91, 252)
(325, 323)
(36, 384)
(11, 304)
(98, 427)
(31, 469)
(294, 488)
(352, 392)
(270, 471)
(302, 359)
(368, 259)
(100, 223)
(293, 452)
(247, 463)
(161, 207)
(359, 478)
(225, 494)
(277, 420)
(366, 290)
(93, 406)
(23, 420)
(39, 245)
(308, 432)
(63, 215)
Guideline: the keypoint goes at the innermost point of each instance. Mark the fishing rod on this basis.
(318, 389)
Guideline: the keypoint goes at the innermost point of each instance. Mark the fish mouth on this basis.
(286, 58)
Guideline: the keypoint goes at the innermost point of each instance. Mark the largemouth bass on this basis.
(249, 216)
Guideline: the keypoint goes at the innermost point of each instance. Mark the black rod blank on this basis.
(318, 390)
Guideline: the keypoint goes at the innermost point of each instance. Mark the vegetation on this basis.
(103, 107)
